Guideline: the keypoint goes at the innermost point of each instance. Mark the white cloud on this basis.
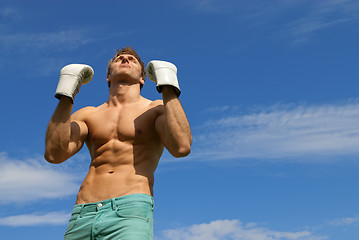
(29, 180)
(316, 16)
(345, 221)
(51, 218)
(322, 131)
(9, 13)
(54, 41)
(212, 6)
(233, 230)
(303, 18)
(302, 29)
(57, 40)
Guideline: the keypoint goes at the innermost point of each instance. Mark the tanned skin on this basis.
(125, 136)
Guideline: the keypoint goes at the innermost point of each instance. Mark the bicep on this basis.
(79, 132)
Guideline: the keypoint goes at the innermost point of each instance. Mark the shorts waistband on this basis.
(112, 203)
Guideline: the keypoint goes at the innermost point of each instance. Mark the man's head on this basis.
(131, 51)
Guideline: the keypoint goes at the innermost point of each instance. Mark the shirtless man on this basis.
(125, 137)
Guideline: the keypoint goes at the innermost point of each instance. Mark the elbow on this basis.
(182, 151)
(49, 158)
(52, 159)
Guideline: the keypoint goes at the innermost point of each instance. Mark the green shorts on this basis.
(127, 218)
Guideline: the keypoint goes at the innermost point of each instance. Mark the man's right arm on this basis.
(66, 134)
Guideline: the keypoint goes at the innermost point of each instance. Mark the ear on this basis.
(108, 74)
(142, 80)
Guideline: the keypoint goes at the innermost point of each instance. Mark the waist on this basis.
(97, 187)
(113, 203)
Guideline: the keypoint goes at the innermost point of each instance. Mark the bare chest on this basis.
(126, 125)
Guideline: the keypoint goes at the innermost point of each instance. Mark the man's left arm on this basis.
(171, 124)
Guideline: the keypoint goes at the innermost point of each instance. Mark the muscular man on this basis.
(125, 137)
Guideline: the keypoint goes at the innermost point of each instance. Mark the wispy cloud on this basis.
(9, 13)
(281, 132)
(212, 6)
(233, 230)
(301, 18)
(320, 15)
(51, 218)
(34, 179)
(345, 221)
(56, 40)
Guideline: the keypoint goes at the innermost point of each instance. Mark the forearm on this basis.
(58, 132)
(178, 132)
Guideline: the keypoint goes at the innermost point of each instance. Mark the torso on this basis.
(125, 149)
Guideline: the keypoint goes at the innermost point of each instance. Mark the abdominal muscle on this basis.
(117, 169)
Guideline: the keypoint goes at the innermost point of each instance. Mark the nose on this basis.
(125, 59)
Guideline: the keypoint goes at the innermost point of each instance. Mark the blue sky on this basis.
(270, 89)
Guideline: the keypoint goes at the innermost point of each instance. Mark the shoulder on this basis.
(149, 104)
(83, 113)
(157, 106)
(156, 103)
(152, 108)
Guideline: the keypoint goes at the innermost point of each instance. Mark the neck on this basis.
(124, 93)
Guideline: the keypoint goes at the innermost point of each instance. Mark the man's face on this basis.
(125, 66)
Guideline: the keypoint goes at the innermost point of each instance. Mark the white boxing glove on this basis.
(71, 78)
(163, 73)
